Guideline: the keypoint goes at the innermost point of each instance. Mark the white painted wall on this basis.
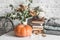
(51, 7)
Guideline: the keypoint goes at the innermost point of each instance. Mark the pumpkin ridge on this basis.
(23, 31)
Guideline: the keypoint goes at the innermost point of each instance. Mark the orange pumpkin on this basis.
(23, 30)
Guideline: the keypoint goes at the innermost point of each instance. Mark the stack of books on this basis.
(36, 22)
(37, 25)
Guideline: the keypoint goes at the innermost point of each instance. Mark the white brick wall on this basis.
(51, 7)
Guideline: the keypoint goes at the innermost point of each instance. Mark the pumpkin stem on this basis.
(21, 22)
(24, 22)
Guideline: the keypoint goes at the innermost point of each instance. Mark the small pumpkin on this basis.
(22, 30)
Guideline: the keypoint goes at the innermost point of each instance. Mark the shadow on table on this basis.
(10, 34)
